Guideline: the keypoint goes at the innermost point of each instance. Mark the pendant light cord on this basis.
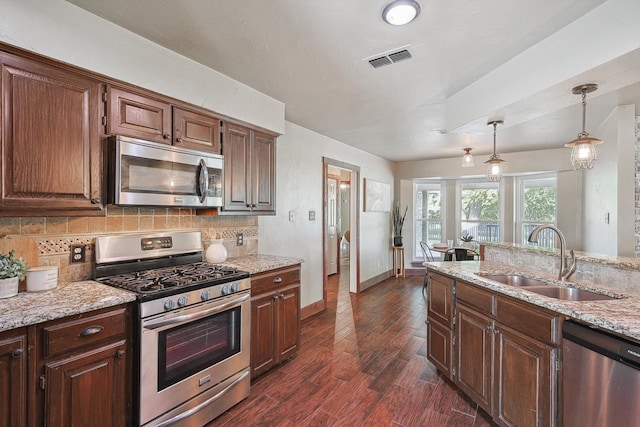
(495, 125)
(584, 111)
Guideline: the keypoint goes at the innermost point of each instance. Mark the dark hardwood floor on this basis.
(362, 363)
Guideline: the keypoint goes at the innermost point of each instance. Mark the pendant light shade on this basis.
(494, 164)
(467, 159)
(583, 150)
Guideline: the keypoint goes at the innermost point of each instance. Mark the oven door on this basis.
(186, 352)
(151, 174)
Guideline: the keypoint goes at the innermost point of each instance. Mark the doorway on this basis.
(340, 224)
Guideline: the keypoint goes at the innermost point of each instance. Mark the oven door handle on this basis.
(202, 405)
(195, 316)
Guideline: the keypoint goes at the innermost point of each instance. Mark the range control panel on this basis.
(151, 243)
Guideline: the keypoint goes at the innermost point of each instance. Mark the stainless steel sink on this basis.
(546, 289)
(569, 294)
(515, 280)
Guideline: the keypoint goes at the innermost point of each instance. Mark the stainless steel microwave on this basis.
(144, 173)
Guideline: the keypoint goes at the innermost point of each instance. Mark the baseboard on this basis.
(414, 271)
(375, 280)
(311, 309)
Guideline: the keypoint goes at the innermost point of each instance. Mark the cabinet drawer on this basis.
(265, 282)
(532, 322)
(477, 298)
(83, 331)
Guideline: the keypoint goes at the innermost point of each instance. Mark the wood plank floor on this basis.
(362, 363)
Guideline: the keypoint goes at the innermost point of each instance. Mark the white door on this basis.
(332, 232)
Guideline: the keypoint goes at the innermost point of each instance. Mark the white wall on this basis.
(299, 179)
(65, 32)
(610, 188)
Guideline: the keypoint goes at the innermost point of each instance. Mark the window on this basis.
(428, 215)
(537, 204)
(480, 210)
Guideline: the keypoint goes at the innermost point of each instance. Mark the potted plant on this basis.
(466, 240)
(398, 223)
(12, 270)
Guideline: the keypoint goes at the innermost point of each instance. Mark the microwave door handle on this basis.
(203, 181)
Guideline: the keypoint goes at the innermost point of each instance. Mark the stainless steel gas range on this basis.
(193, 323)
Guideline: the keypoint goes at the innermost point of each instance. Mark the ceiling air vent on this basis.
(389, 58)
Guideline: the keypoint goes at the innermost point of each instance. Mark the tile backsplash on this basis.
(55, 236)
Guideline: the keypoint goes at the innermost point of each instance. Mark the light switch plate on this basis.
(312, 215)
(292, 216)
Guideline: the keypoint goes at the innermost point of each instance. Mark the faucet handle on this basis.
(571, 268)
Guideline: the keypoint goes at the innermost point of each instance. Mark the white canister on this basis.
(216, 252)
(42, 278)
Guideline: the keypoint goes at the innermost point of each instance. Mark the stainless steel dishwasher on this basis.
(601, 378)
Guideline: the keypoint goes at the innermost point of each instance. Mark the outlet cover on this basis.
(239, 239)
(78, 253)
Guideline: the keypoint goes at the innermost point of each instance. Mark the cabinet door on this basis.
(88, 389)
(196, 131)
(525, 382)
(51, 152)
(263, 332)
(440, 298)
(13, 376)
(474, 351)
(237, 185)
(439, 347)
(263, 177)
(138, 116)
(288, 321)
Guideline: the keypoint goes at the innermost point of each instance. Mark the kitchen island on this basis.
(618, 316)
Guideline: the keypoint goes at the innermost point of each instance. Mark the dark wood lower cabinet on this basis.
(74, 371)
(275, 317)
(13, 378)
(504, 351)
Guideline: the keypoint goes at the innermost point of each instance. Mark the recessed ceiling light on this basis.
(400, 12)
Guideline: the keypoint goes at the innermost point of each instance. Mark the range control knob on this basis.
(235, 287)
(182, 301)
(225, 290)
(205, 296)
(169, 304)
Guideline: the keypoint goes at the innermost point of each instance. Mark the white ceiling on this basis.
(474, 61)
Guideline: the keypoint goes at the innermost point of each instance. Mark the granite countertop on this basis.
(29, 308)
(255, 264)
(619, 316)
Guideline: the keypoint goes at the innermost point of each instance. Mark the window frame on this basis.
(417, 251)
(458, 206)
(519, 208)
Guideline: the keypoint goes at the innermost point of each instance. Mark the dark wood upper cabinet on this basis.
(196, 131)
(138, 116)
(51, 150)
(141, 115)
(249, 162)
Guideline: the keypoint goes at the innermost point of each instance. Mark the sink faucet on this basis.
(565, 270)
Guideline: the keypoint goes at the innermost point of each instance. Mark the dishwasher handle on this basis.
(630, 354)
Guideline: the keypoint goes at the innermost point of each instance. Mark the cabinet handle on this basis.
(96, 201)
(489, 328)
(277, 280)
(179, 140)
(91, 330)
(120, 354)
(17, 353)
(275, 297)
(166, 136)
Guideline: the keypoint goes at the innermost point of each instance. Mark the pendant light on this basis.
(583, 152)
(494, 168)
(467, 159)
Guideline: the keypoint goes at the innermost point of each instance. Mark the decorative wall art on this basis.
(377, 196)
